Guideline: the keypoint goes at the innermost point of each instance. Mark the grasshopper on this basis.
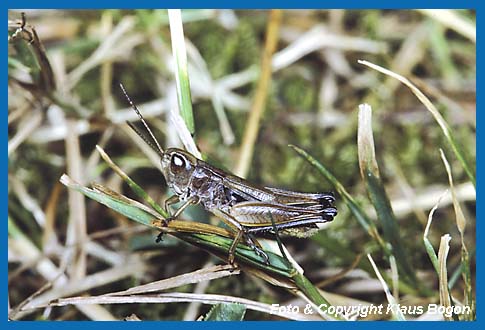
(248, 210)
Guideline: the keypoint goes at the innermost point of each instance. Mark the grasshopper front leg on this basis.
(173, 200)
(170, 201)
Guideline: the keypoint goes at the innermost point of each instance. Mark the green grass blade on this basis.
(132, 184)
(226, 312)
(382, 205)
(377, 193)
(244, 255)
(181, 72)
(356, 210)
(118, 203)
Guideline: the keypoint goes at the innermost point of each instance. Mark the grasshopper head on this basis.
(177, 168)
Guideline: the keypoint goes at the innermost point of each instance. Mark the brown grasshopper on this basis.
(247, 209)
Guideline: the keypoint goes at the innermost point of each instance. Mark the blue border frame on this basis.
(247, 4)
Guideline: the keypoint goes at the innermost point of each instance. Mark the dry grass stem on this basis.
(253, 122)
(197, 276)
(390, 298)
(443, 272)
(178, 297)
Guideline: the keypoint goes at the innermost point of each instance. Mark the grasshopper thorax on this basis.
(177, 168)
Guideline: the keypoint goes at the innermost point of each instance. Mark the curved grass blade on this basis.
(427, 243)
(430, 249)
(445, 297)
(125, 206)
(458, 150)
(461, 224)
(377, 193)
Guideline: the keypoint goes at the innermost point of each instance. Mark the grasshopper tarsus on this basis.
(234, 266)
(230, 261)
(159, 237)
(262, 254)
(259, 251)
(165, 223)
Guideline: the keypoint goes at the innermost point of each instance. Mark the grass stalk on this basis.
(377, 194)
(181, 72)
(257, 108)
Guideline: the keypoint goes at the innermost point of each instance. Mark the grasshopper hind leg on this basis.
(251, 242)
(232, 249)
(240, 232)
(254, 244)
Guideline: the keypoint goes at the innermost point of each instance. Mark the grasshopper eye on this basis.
(178, 163)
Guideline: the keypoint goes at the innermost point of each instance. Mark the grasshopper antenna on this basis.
(154, 143)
